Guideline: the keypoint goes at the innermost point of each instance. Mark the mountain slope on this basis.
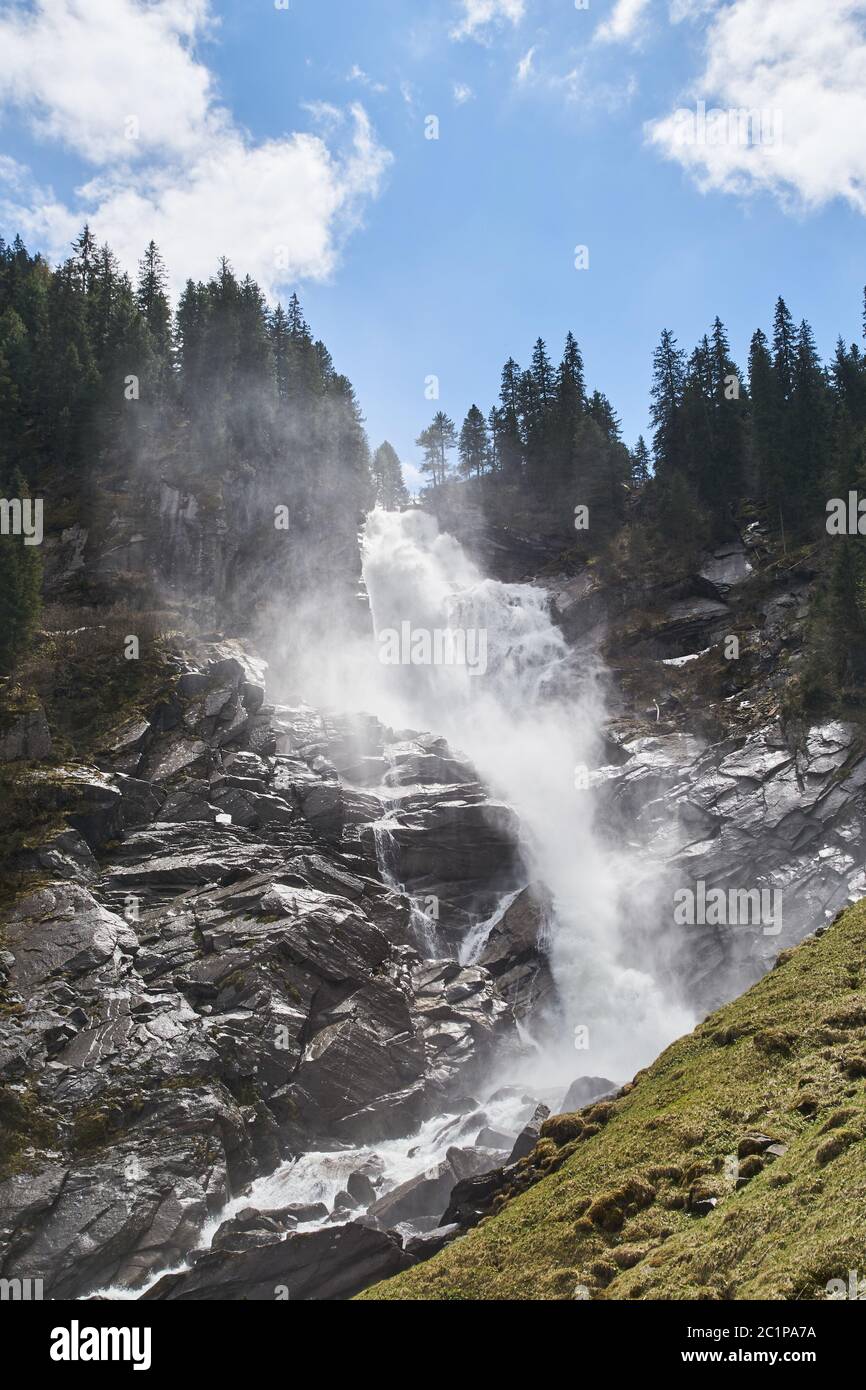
(625, 1212)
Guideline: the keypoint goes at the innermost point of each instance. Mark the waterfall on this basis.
(527, 721)
(425, 929)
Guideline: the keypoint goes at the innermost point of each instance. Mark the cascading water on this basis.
(423, 925)
(527, 721)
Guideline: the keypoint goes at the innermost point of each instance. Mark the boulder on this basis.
(332, 1264)
(515, 952)
(529, 1135)
(584, 1091)
(25, 737)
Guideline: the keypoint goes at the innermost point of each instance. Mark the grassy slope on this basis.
(612, 1212)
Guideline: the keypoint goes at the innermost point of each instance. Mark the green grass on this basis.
(614, 1212)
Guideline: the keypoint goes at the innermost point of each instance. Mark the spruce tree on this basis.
(391, 490)
(668, 384)
(474, 444)
(640, 463)
(151, 295)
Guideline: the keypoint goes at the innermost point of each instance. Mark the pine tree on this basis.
(510, 441)
(765, 422)
(784, 349)
(391, 490)
(437, 441)
(474, 444)
(281, 348)
(640, 464)
(84, 255)
(151, 295)
(667, 399)
(570, 405)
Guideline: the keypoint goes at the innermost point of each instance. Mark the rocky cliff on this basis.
(255, 960)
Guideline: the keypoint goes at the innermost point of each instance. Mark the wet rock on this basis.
(300, 1213)
(471, 1197)
(250, 1230)
(529, 1135)
(457, 847)
(360, 1189)
(328, 1265)
(493, 1139)
(515, 952)
(62, 931)
(424, 1247)
(428, 1194)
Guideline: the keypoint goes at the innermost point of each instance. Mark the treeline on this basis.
(547, 436)
(104, 387)
(775, 442)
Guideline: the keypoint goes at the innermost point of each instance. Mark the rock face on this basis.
(516, 954)
(26, 736)
(752, 814)
(707, 780)
(325, 1265)
(216, 977)
(456, 847)
(428, 1194)
(584, 1091)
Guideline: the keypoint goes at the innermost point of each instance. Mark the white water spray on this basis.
(527, 722)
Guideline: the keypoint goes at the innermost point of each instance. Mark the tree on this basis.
(667, 401)
(84, 253)
(570, 404)
(640, 463)
(151, 296)
(437, 441)
(765, 418)
(601, 469)
(808, 459)
(391, 490)
(510, 444)
(474, 445)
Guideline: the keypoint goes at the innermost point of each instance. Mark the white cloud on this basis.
(78, 69)
(357, 74)
(806, 72)
(193, 180)
(623, 23)
(524, 67)
(572, 79)
(462, 93)
(479, 15)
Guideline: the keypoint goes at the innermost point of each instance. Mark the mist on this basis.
(529, 724)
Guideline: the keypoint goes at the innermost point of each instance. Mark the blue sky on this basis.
(303, 129)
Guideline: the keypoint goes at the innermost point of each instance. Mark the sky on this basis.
(423, 172)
